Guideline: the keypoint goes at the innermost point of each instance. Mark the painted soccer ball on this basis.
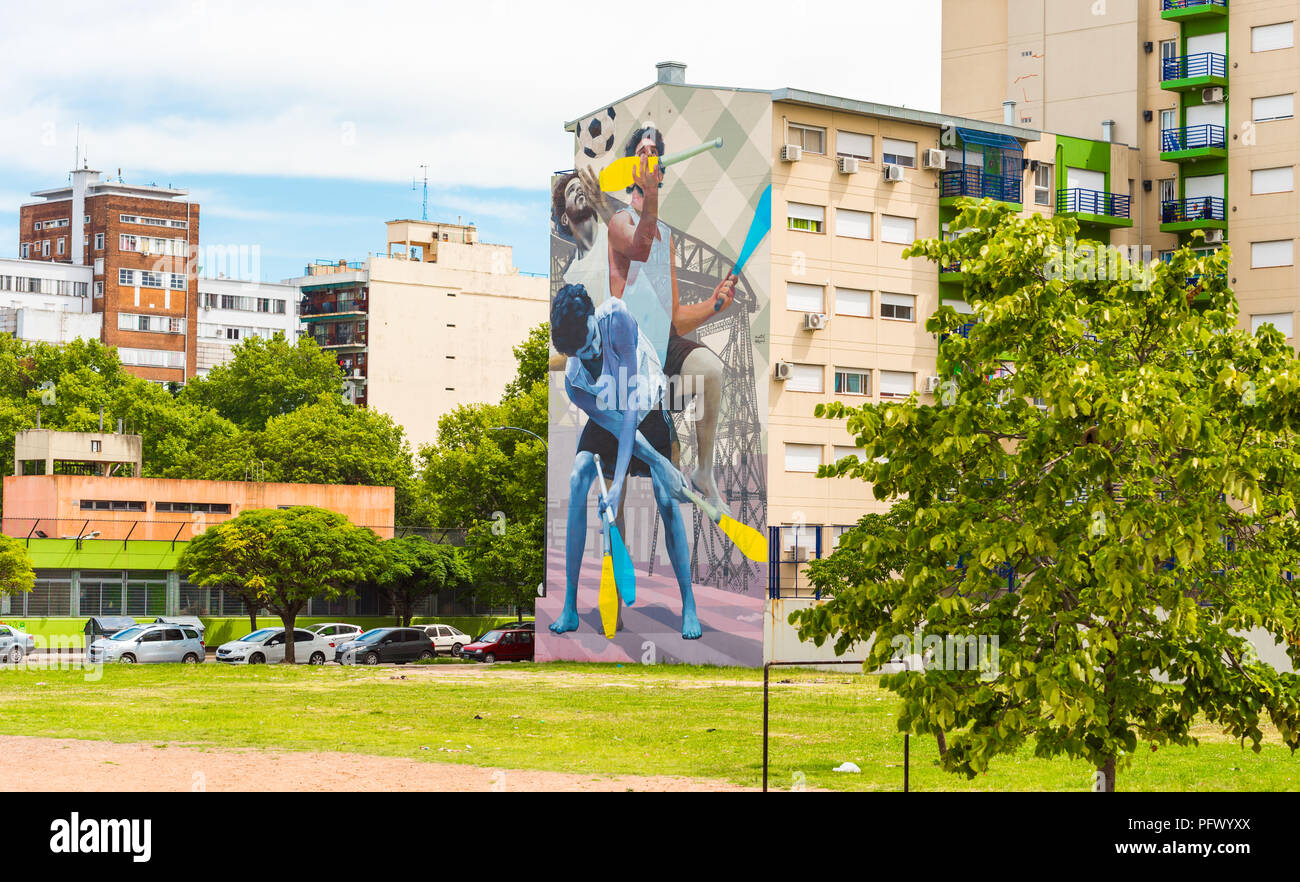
(596, 134)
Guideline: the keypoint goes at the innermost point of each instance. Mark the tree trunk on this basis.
(943, 743)
(252, 618)
(1106, 779)
(288, 621)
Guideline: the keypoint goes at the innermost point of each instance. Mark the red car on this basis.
(503, 644)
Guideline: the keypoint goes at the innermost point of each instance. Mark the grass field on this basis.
(601, 719)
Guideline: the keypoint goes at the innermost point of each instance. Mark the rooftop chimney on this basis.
(1009, 112)
(671, 72)
(1108, 130)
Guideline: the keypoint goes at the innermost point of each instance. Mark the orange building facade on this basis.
(94, 507)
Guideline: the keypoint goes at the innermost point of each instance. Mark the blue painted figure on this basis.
(614, 375)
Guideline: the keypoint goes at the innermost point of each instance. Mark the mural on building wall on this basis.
(660, 268)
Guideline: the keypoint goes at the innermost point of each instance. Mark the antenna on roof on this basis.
(424, 202)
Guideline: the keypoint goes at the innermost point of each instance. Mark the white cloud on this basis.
(478, 90)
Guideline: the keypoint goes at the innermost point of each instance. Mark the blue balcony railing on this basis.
(977, 183)
(1092, 202)
(1193, 138)
(1202, 64)
(1170, 5)
(1198, 208)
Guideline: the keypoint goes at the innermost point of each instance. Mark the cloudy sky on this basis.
(299, 127)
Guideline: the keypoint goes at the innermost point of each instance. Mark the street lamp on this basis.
(518, 429)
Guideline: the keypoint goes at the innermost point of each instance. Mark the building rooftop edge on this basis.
(852, 105)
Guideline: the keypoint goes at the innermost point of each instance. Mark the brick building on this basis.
(140, 241)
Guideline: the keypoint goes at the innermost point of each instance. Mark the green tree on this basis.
(507, 558)
(282, 558)
(415, 569)
(487, 472)
(265, 378)
(331, 442)
(181, 439)
(1124, 458)
(16, 573)
(532, 356)
(66, 384)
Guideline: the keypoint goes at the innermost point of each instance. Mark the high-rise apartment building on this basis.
(426, 326)
(139, 241)
(1200, 92)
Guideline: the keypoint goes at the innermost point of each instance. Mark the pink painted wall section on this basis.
(51, 504)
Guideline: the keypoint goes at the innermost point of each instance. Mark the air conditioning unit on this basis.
(934, 158)
(814, 321)
(1214, 237)
(893, 173)
(1212, 95)
(798, 554)
(848, 165)
(791, 153)
(932, 384)
(782, 371)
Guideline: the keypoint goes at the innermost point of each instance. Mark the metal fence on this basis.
(1193, 138)
(1201, 64)
(977, 183)
(1194, 209)
(178, 526)
(1092, 202)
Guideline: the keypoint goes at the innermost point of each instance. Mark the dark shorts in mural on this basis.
(656, 427)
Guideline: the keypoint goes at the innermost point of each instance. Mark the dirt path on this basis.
(69, 764)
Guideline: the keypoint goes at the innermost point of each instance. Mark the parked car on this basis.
(446, 638)
(184, 621)
(147, 644)
(14, 644)
(502, 644)
(336, 633)
(398, 645)
(265, 646)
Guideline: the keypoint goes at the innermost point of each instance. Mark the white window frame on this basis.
(797, 134)
(805, 289)
(896, 151)
(853, 145)
(887, 233)
(804, 217)
(891, 306)
(804, 453)
(1283, 321)
(864, 376)
(839, 452)
(884, 374)
(848, 218)
(1286, 254)
(1271, 37)
(840, 301)
(807, 378)
(1043, 192)
(1258, 175)
(1272, 115)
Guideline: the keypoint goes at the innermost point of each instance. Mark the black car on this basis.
(398, 645)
